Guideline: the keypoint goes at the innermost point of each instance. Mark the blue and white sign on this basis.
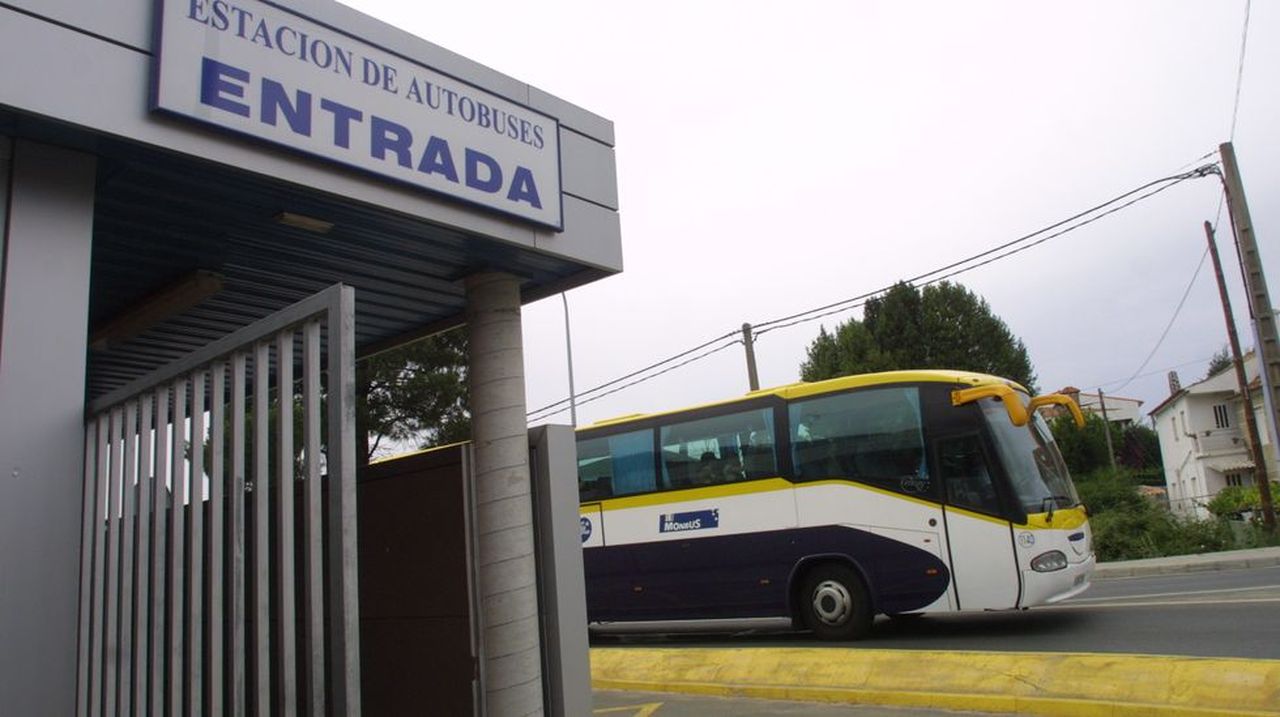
(585, 528)
(692, 520)
(260, 70)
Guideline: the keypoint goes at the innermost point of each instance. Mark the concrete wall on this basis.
(42, 361)
(103, 51)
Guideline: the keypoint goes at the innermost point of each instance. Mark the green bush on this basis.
(1231, 501)
(1150, 531)
(1106, 490)
(1128, 526)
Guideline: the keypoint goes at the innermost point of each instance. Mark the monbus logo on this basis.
(693, 520)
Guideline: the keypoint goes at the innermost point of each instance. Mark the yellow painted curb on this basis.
(1034, 683)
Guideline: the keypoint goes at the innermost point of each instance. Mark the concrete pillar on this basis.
(510, 650)
(44, 313)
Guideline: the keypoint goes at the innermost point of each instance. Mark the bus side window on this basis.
(720, 449)
(872, 436)
(964, 472)
(616, 465)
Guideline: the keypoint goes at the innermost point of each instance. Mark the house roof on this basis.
(1222, 382)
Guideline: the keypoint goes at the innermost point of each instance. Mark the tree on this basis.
(1085, 448)
(944, 326)
(414, 393)
(1221, 361)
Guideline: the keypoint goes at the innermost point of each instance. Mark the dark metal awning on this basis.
(186, 251)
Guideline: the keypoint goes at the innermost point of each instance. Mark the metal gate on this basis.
(218, 555)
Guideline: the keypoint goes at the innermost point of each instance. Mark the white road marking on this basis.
(1160, 603)
(1179, 593)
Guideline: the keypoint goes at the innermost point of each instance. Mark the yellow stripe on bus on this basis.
(870, 489)
(681, 495)
(1064, 519)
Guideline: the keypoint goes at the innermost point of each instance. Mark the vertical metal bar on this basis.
(195, 551)
(112, 657)
(146, 505)
(261, 533)
(96, 670)
(87, 534)
(312, 522)
(236, 636)
(177, 523)
(344, 601)
(129, 544)
(159, 522)
(471, 538)
(286, 616)
(217, 474)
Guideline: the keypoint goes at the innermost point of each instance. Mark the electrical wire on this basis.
(686, 362)
(1170, 180)
(842, 306)
(1164, 334)
(1244, 43)
(940, 274)
(1156, 372)
(580, 394)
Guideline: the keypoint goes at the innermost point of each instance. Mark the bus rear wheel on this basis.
(834, 603)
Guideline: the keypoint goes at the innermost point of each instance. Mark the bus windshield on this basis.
(1036, 470)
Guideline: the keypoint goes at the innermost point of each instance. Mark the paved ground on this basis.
(649, 704)
(1256, 557)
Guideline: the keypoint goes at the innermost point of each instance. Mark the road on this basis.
(1229, 613)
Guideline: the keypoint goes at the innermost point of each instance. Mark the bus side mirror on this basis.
(1059, 399)
(1012, 401)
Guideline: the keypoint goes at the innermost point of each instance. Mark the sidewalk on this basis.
(1204, 562)
(1049, 684)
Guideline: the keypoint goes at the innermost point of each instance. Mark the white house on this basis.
(1203, 439)
(1121, 411)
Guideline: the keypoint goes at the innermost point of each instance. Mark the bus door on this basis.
(984, 567)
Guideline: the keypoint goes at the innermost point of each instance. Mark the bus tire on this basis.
(834, 603)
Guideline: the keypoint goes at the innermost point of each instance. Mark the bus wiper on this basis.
(1052, 502)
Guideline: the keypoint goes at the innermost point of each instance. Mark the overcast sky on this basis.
(776, 157)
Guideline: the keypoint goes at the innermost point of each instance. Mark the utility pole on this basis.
(1251, 421)
(1260, 310)
(752, 378)
(1106, 427)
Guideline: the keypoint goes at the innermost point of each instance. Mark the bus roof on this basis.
(802, 389)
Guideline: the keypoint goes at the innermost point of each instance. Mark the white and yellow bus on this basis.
(894, 493)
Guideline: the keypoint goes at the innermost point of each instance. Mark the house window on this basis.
(1221, 418)
(1236, 479)
(1173, 422)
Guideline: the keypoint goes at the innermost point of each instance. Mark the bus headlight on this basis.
(1049, 562)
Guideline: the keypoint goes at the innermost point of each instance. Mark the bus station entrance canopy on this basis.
(202, 202)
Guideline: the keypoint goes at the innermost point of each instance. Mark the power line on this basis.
(640, 380)
(1244, 43)
(1156, 372)
(1110, 206)
(916, 281)
(637, 372)
(1164, 334)
(1170, 180)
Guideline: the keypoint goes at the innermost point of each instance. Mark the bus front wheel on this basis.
(835, 604)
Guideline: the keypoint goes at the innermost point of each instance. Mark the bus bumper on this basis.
(1049, 588)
